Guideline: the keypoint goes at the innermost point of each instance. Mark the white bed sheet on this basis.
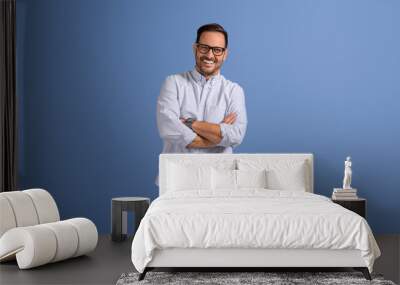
(250, 218)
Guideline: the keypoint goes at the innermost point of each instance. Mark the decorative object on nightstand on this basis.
(358, 205)
(119, 208)
(346, 193)
(347, 173)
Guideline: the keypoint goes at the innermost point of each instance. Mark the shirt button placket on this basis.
(203, 90)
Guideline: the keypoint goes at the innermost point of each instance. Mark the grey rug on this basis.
(269, 278)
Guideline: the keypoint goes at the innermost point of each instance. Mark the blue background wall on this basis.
(319, 76)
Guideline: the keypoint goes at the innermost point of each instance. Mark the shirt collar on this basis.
(200, 78)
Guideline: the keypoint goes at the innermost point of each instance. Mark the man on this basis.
(200, 111)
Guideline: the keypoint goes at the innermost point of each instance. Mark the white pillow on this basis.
(223, 179)
(289, 179)
(181, 177)
(281, 174)
(237, 179)
(251, 178)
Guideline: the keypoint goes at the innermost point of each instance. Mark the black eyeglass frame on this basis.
(210, 47)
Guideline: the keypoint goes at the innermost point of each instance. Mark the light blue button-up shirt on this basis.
(189, 94)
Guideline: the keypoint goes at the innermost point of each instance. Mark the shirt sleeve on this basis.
(169, 124)
(233, 134)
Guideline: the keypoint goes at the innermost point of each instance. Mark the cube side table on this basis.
(119, 216)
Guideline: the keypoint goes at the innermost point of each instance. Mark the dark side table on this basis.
(119, 208)
(358, 206)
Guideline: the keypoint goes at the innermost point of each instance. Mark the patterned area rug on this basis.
(270, 278)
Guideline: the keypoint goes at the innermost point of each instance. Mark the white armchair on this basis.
(31, 230)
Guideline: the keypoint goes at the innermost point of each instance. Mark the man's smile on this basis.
(208, 62)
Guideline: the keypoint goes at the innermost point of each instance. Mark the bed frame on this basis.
(237, 259)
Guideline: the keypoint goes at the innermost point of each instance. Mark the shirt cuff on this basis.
(188, 138)
(224, 141)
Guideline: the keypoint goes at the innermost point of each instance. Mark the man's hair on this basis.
(214, 27)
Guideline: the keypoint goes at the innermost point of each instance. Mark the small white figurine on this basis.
(347, 174)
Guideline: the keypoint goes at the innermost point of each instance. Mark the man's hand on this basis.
(230, 118)
(200, 142)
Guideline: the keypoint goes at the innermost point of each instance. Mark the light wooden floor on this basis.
(110, 260)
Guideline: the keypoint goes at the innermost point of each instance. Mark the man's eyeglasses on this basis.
(205, 48)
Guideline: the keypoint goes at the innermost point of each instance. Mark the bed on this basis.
(245, 211)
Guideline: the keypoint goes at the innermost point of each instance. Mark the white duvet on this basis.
(250, 218)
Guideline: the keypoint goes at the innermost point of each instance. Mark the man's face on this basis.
(209, 63)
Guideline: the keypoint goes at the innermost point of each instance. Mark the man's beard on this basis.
(208, 73)
(205, 72)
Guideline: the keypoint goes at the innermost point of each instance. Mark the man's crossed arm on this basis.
(208, 134)
(229, 132)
